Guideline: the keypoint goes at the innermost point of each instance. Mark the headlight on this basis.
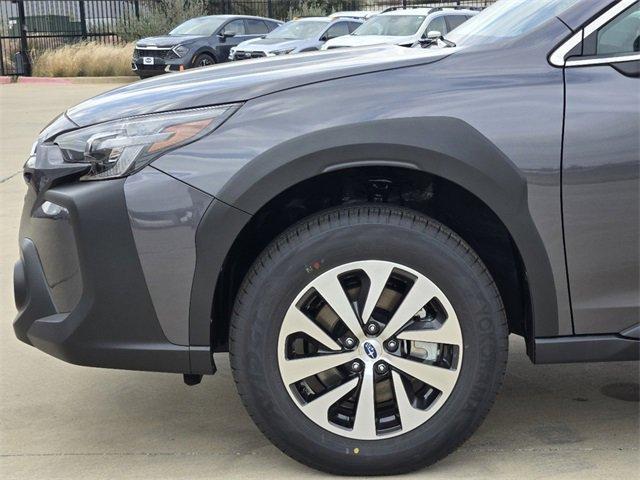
(180, 50)
(280, 52)
(122, 147)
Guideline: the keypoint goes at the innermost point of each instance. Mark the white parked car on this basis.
(403, 26)
(361, 14)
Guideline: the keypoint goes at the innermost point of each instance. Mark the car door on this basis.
(600, 173)
(238, 30)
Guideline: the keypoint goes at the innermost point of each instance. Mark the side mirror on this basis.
(224, 35)
(430, 39)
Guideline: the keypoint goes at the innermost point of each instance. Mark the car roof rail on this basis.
(407, 7)
(432, 8)
(458, 7)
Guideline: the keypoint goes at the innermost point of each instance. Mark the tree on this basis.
(159, 18)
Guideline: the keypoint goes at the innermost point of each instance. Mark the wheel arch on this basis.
(205, 49)
(426, 148)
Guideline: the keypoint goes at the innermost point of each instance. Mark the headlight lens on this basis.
(181, 50)
(122, 147)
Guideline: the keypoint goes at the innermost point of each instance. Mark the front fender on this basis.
(442, 146)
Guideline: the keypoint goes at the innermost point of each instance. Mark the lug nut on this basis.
(349, 342)
(372, 328)
(392, 345)
(356, 366)
(381, 368)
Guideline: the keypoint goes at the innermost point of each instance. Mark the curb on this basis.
(5, 80)
(43, 80)
(69, 80)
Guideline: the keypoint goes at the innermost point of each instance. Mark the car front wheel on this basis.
(368, 340)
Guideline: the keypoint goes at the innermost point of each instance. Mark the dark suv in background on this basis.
(197, 42)
(361, 229)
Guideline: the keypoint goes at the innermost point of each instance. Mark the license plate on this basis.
(147, 60)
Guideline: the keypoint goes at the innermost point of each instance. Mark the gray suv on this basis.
(198, 42)
(296, 36)
(361, 229)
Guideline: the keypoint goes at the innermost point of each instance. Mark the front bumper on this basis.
(80, 288)
(247, 55)
(159, 66)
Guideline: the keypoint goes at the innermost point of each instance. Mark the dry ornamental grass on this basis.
(87, 59)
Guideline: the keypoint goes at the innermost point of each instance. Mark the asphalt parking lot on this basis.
(63, 421)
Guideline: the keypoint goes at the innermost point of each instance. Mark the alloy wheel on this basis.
(370, 350)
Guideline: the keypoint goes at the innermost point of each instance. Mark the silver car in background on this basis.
(301, 35)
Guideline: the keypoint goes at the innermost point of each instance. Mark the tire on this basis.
(203, 60)
(419, 249)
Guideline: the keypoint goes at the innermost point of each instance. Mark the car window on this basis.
(256, 27)
(353, 25)
(506, 20)
(236, 27)
(337, 30)
(454, 21)
(299, 29)
(436, 25)
(620, 35)
(272, 25)
(205, 26)
(392, 25)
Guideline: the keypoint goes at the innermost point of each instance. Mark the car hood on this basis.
(269, 44)
(241, 81)
(167, 41)
(361, 40)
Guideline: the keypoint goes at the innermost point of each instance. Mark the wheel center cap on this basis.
(371, 349)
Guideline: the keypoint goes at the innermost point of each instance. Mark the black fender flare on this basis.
(442, 146)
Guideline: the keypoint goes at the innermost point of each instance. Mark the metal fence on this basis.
(30, 26)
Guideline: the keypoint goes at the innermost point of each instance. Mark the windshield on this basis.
(299, 29)
(507, 19)
(205, 26)
(392, 25)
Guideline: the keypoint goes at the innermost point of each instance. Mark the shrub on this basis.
(160, 19)
(86, 59)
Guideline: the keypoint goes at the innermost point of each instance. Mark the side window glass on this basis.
(620, 35)
(256, 27)
(454, 21)
(236, 27)
(353, 25)
(438, 25)
(272, 25)
(337, 30)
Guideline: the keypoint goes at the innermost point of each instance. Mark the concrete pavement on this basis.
(63, 421)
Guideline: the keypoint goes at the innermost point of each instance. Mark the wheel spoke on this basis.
(296, 369)
(378, 273)
(364, 424)
(317, 409)
(331, 290)
(410, 417)
(438, 377)
(296, 321)
(421, 292)
(448, 333)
